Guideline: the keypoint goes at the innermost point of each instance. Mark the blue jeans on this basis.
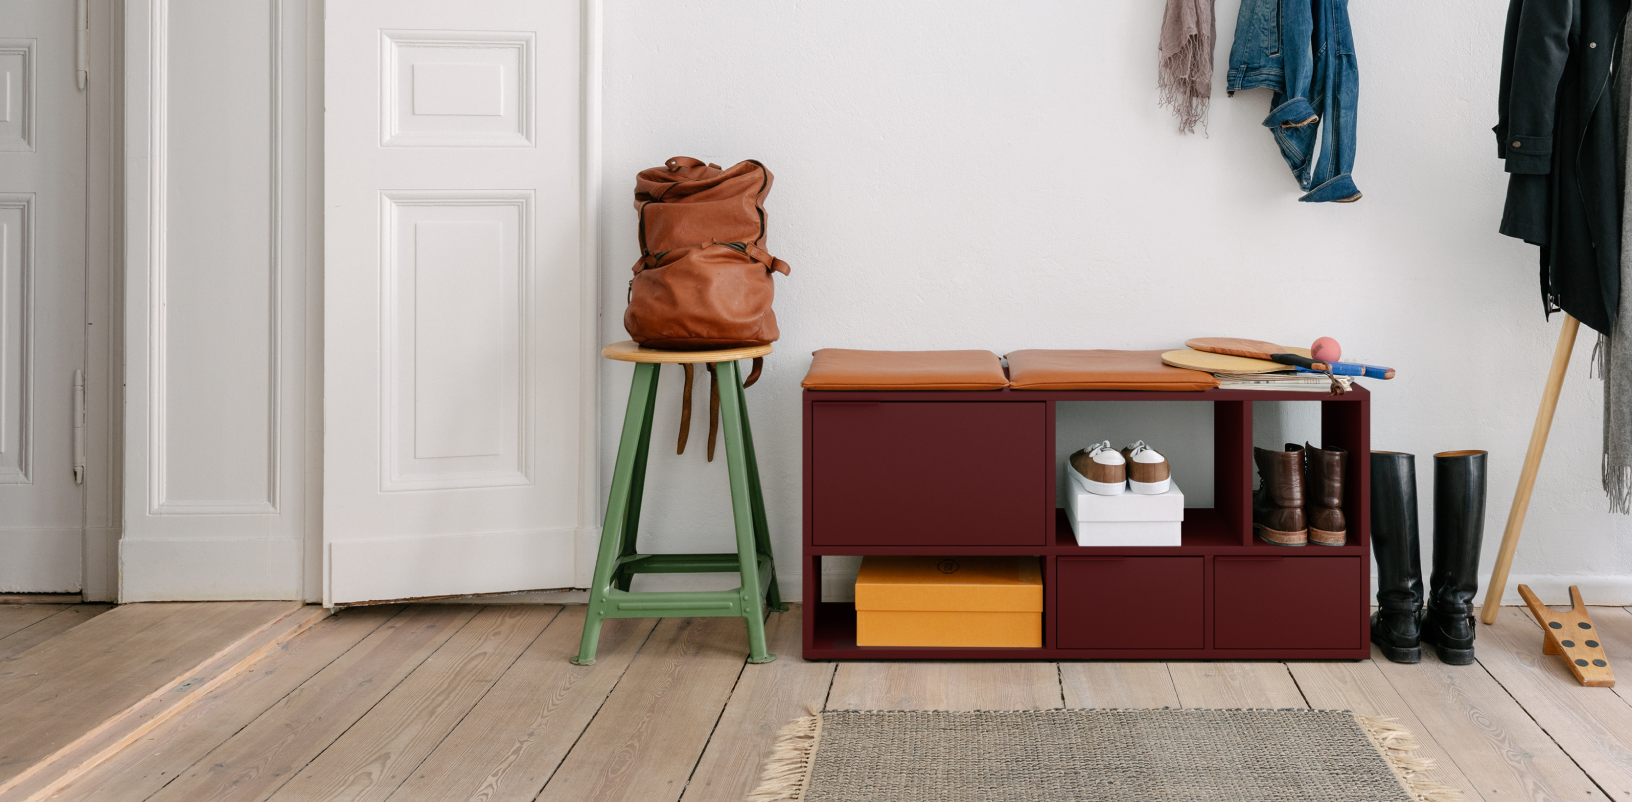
(1303, 50)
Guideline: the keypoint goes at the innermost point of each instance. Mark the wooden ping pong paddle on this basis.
(1258, 349)
(1209, 362)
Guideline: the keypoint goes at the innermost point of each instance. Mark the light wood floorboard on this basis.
(765, 699)
(1489, 735)
(378, 753)
(61, 618)
(1593, 725)
(73, 690)
(644, 743)
(1361, 687)
(874, 685)
(160, 756)
(257, 760)
(1129, 685)
(466, 702)
(516, 737)
(104, 636)
(14, 617)
(1228, 685)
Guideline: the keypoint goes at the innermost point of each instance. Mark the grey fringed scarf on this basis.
(1613, 356)
(1185, 75)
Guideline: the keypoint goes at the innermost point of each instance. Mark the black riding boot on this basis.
(1459, 528)
(1395, 625)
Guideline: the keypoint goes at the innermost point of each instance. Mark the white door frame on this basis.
(143, 58)
(104, 287)
(589, 317)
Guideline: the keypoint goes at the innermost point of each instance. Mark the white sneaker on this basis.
(1148, 472)
(1103, 470)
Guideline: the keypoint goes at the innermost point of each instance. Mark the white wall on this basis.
(980, 175)
(219, 350)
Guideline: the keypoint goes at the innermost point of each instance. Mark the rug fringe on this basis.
(1397, 746)
(787, 769)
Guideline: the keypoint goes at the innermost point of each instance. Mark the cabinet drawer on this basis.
(902, 473)
(1287, 602)
(1129, 602)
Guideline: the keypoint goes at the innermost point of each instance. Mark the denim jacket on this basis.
(1303, 50)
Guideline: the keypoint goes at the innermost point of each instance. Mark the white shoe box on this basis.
(1129, 519)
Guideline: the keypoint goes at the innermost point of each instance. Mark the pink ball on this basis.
(1326, 349)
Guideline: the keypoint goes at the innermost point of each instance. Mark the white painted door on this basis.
(451, 322)
(42, 293)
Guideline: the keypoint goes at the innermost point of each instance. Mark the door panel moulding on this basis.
(419, 321)
(16, 337)
(159, 299)
(18, 134)
(215, 456)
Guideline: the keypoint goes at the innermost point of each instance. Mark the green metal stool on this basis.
(618, 561)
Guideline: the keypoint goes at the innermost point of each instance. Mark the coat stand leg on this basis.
(1527, 477)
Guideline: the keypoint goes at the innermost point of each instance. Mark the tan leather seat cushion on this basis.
(845, 369)
(1101, 370)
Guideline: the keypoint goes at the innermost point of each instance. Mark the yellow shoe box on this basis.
(994, 602)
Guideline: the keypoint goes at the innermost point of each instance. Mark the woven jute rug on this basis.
(1093, 755)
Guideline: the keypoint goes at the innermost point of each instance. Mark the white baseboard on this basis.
(450, 565)
(101, 563)
(1598, 590)
(40, 560)
(209, 570)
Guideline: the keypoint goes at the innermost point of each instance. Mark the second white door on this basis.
(452, 336)
(42, 296)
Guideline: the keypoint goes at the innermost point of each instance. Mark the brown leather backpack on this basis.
(704, 279)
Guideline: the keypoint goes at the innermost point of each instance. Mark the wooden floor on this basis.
(465, 702)
(24, 625)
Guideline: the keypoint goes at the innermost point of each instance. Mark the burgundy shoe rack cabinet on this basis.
(974, 473)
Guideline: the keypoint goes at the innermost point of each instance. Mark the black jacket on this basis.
(1556, 131)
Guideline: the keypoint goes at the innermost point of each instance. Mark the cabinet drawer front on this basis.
(899, 473)
(1287, 603)
(1129, 602)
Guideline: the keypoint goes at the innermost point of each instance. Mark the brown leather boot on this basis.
(1323, 495)
(1277, 505)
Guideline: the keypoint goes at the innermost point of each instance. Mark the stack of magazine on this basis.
(1293, 381)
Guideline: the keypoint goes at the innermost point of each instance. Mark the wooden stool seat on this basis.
(618, 560)
(630, 351)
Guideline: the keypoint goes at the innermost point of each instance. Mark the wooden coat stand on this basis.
(1587, 662)
(1527, 477)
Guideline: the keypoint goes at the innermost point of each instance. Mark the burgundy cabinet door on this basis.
(1287, 603)
(952, 473)
(1129, 602)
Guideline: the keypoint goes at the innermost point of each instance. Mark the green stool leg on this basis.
(762, 529)
(637, 486)
(733, 417)
(626, 492)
